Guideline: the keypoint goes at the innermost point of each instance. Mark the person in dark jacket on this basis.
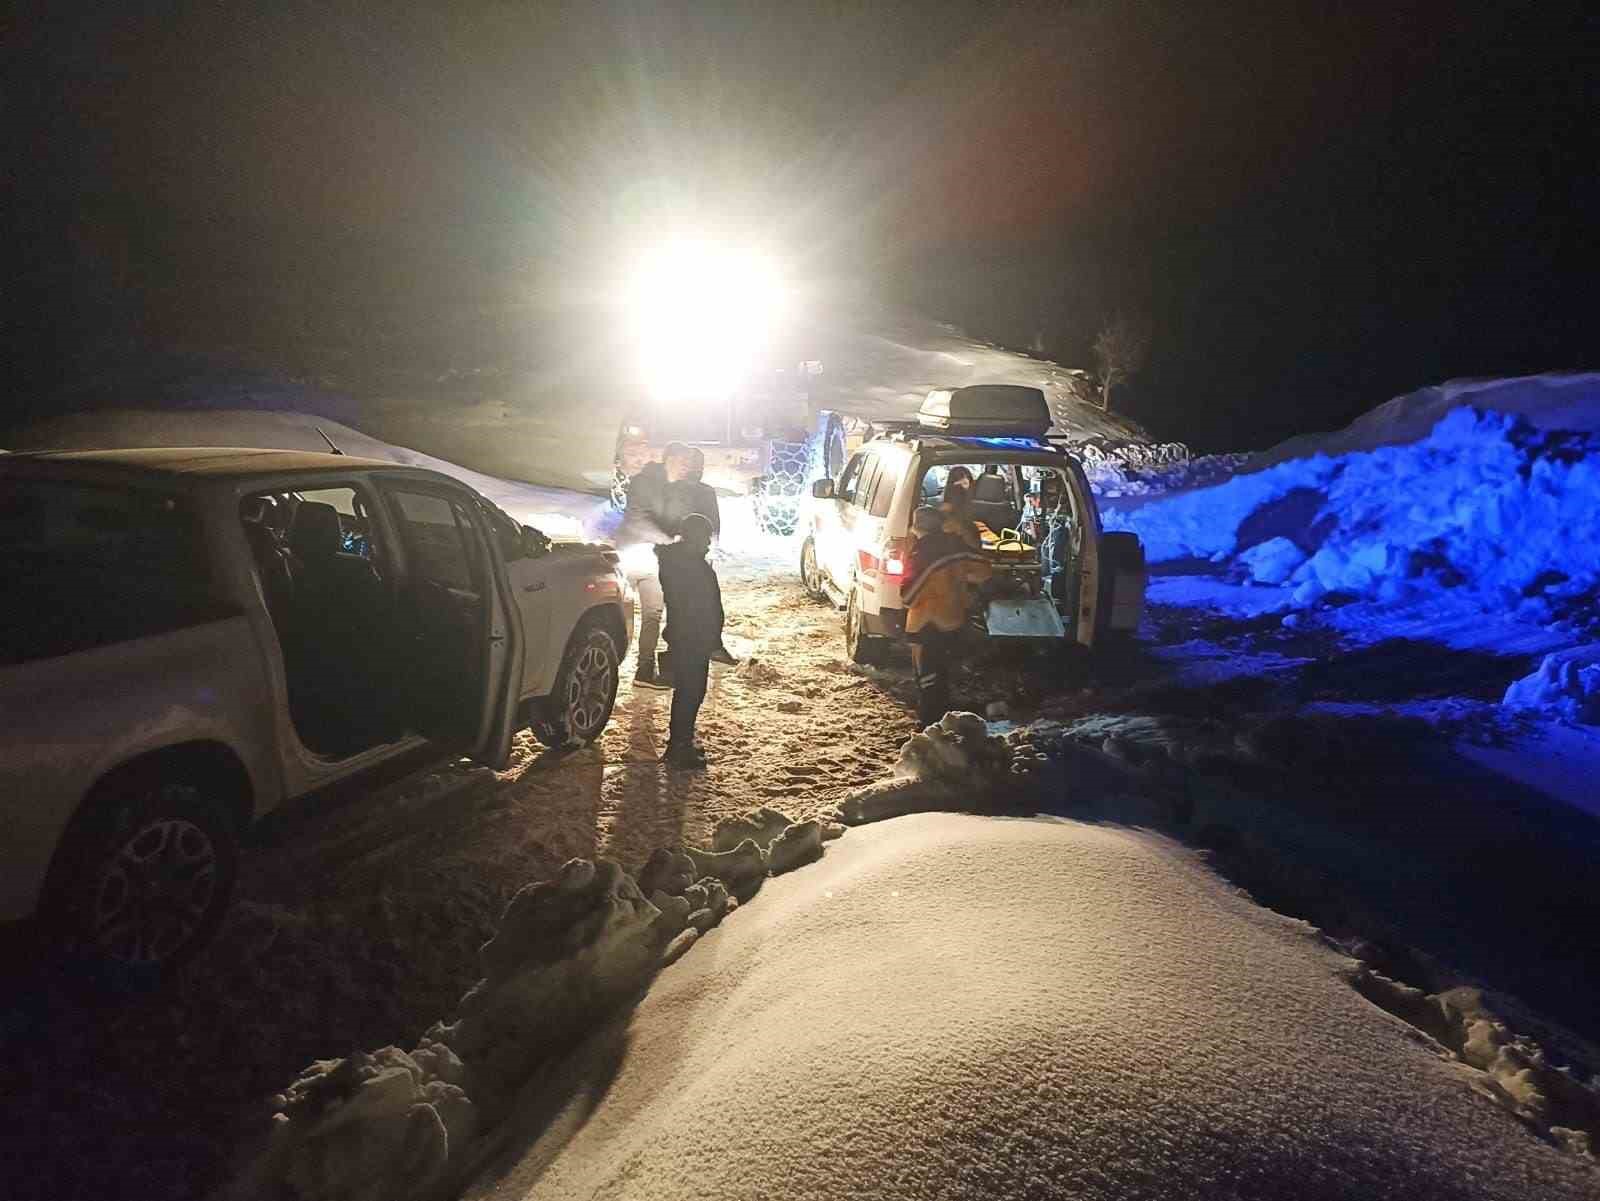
(957, 506)
(656, 505)
(701, 497)
(694, 631)
(697, 496)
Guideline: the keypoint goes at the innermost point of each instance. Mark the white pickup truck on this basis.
(194, 636)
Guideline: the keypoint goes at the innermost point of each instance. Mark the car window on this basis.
(270, 520)
(355, 532)
(850, 479)
(507, 534)
(88, 565)
(438, 536)
(995, 485)
(869, 480)
(884, 487)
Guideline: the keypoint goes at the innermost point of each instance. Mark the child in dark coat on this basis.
(694, 631)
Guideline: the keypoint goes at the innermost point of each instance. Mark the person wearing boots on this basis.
(694, 632)
(941, 573)
(654, 509)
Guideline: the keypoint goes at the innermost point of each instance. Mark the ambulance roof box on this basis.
(999, 409)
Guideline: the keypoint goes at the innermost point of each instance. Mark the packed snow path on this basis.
(952, 1006)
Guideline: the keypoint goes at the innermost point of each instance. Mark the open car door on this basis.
(1088, 559)
(459, 622)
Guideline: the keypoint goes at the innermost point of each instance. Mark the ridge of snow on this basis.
(955, 1006)
(1555, 400)
(1566, 683)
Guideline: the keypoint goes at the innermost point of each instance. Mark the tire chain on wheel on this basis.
(778, 497)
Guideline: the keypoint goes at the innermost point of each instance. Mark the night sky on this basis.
(1314, 206)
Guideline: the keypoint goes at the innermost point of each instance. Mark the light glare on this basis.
(702, 315)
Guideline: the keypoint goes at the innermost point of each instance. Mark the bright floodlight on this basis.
(702, 313)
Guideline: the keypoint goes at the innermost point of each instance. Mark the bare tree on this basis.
(1119, 352)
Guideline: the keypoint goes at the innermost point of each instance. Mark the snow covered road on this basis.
(953, 1006)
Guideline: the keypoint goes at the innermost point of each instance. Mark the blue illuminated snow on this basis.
(1566, 684)
(1486, 512)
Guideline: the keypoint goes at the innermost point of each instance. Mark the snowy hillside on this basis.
(558, 512)
(882, 364)
(518, 398)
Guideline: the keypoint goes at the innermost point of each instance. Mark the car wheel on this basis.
(585, 691)
(145, 879)
(811, 571)
(862, 647)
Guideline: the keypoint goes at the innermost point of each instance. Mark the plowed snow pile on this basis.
(1492, 518)
(953, 1006)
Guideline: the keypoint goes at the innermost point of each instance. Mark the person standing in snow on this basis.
(655, 508)
(701, 497)
(942, 572)
(694, 632)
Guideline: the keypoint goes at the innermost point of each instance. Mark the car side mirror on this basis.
(822, 489)
(534, 542)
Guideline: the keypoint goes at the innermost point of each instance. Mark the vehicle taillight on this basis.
(894, 558)
(891, 564)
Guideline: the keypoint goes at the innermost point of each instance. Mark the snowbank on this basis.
(565, 950)
(568, 953)
(956, 763)
(1554, 401)
(1119, 468)
(956, 1006)
(1567, 684)
(371, 1127)
(392, 1125)
(1487, 512)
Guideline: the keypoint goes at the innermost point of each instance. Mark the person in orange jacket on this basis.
(942, 573)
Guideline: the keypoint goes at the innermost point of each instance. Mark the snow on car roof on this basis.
(941, 443)
(206, 460)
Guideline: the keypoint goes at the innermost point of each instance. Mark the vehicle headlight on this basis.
(702, 312)
(638, 559)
